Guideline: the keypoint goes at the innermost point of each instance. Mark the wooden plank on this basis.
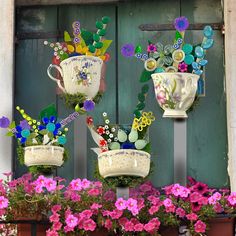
(207, 134)
(58, 2)
(130, 16)
(230, 57)
(33, 89)
(6, 80)
(87, 17)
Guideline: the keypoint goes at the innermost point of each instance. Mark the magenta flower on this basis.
(85, 183)
(232, 198)
(55, 217)
(167, 202)
(50, 232)
(181, 23)
(129, 226)
(151, 48)
(57, 226)
(127, 50)
(116, 214)
(183, 67)
(120, 204)
(108, 224)
(180, 212)
(3, 202)
(56, 208)
(89, 225)
(218, 208)
(138, 227)
(71, 221)
(50, 185)
(200, 187)
(96, 206)
(4, 122)
(200, 227)
(153, 210)
(195, 197)
(75, 185)
(93, 192)
(192, 216)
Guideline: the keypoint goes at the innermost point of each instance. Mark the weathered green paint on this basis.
(206, 126)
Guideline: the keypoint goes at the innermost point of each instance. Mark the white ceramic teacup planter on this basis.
(43, 155)
(81, 74)
(129, 162)
(175, 92)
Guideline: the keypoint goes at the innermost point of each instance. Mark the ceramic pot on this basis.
(128, 162)
(175, 92)
(80, 74)
(43, 155)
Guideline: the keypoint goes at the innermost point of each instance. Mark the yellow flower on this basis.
(79, 49)
(138, 124)
(98, 52)
(85, 50)
(147, 118)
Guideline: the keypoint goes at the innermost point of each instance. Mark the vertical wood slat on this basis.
(230, 58)
(6, 79)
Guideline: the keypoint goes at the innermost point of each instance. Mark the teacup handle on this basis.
(55, 79)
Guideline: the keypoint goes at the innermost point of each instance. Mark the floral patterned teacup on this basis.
(81, 74)
(175, 92)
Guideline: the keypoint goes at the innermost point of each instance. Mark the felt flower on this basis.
(183, 67)
(151, 48)
(89, 105)
(100, 130)
(148, 118)
(50, 125)
(128, 50)
(4, 122)
(89, 120)
(138, 124)
(24, 124)
(163, 55)
(181, 23)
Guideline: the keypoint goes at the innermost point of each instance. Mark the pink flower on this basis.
(180, 191)
(120, 204)
(154, 200)
(76, 185)
(55, 217)
(89, 225)
(218, 208)
(85, 183)
(93, 192)
(71, 221)
(141, 204)
(161, 97)
(122, 221)
(180, 212)
(3, 202)
(57, 226)
(183, 67)
(195, 197)
(212, 200)
(200, 187)
(131, 204)
(86, 214)
(138, 227)
(170, 208)
(200, 227)
(149, 227)
(116, 214)
(232, 198)
(109, 196)
(146, 187)
(167, 202)
(75, 197)
(96, 206)
(129, 226)
(168, 189)
(153, 209)
(51, 233)
(50, 184)
(192, 216)
(108, 224)
(151, 48)
(217, 196)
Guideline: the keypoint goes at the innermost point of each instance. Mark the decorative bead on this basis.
(150, 64)
(178, 55)
(50, 127)
(199, 52)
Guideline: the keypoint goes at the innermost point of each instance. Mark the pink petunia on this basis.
(89, 225)
(192, 216)
(3, 202)
(71, 221)
(129, 226)
(76, 185)
(167, 202)
(85, 183)
(50, 232)
(200, 227)
(138, 227)
(232, 198)
(93, 192)
(108, 224)
(50, 184)
(55, 217)
(57, 226)
(180, 212)
(153, 209)
(195, 197)
(120, 204)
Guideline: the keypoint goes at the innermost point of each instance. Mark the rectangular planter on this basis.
(25, 229)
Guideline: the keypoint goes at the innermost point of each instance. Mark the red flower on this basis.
(101, 130)
(89, 120)
(103, 143)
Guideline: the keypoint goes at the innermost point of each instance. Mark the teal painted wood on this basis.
(87, 17)
(206, 126)
(130, 16)
(33, 91)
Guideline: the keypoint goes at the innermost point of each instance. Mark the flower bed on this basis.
(84, 207)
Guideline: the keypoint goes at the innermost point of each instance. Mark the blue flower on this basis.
(22, 134)
(89, 105)
(50, 125)
(181, 23)
(4, 122)
(127, 145)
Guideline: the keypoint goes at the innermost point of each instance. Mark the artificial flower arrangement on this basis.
(40, 142)
(124, 145)
(175, 68)
(83, 207)
(80, 62)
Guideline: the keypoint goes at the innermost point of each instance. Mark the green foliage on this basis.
(145, 76)
(67, 37)
(48, 111)
(71, 100)
(87, 36)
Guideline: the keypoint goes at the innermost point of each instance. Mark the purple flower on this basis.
(181, 23)
(4, 122)
(89, 105)
(24, 124)
(128, 50)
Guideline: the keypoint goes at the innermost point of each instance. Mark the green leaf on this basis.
(48, 111)
(67, 37)
(50, 135)
(145, 76)
(106, 45)
(141, 106)
(145, 88)
(12, 125)
(43, 132)
(87, 36)
(178, 35)
(10, 134)
(141, 97)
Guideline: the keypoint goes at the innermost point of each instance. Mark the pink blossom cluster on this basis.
(42, 182)
(130, 204)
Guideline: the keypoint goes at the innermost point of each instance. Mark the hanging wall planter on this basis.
(120, 162)
(175, 92)
(44, 155)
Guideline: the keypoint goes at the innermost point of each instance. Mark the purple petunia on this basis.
(89, 105)
(181, 23)
(24, 124)
(4, 122)
(128, 50)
